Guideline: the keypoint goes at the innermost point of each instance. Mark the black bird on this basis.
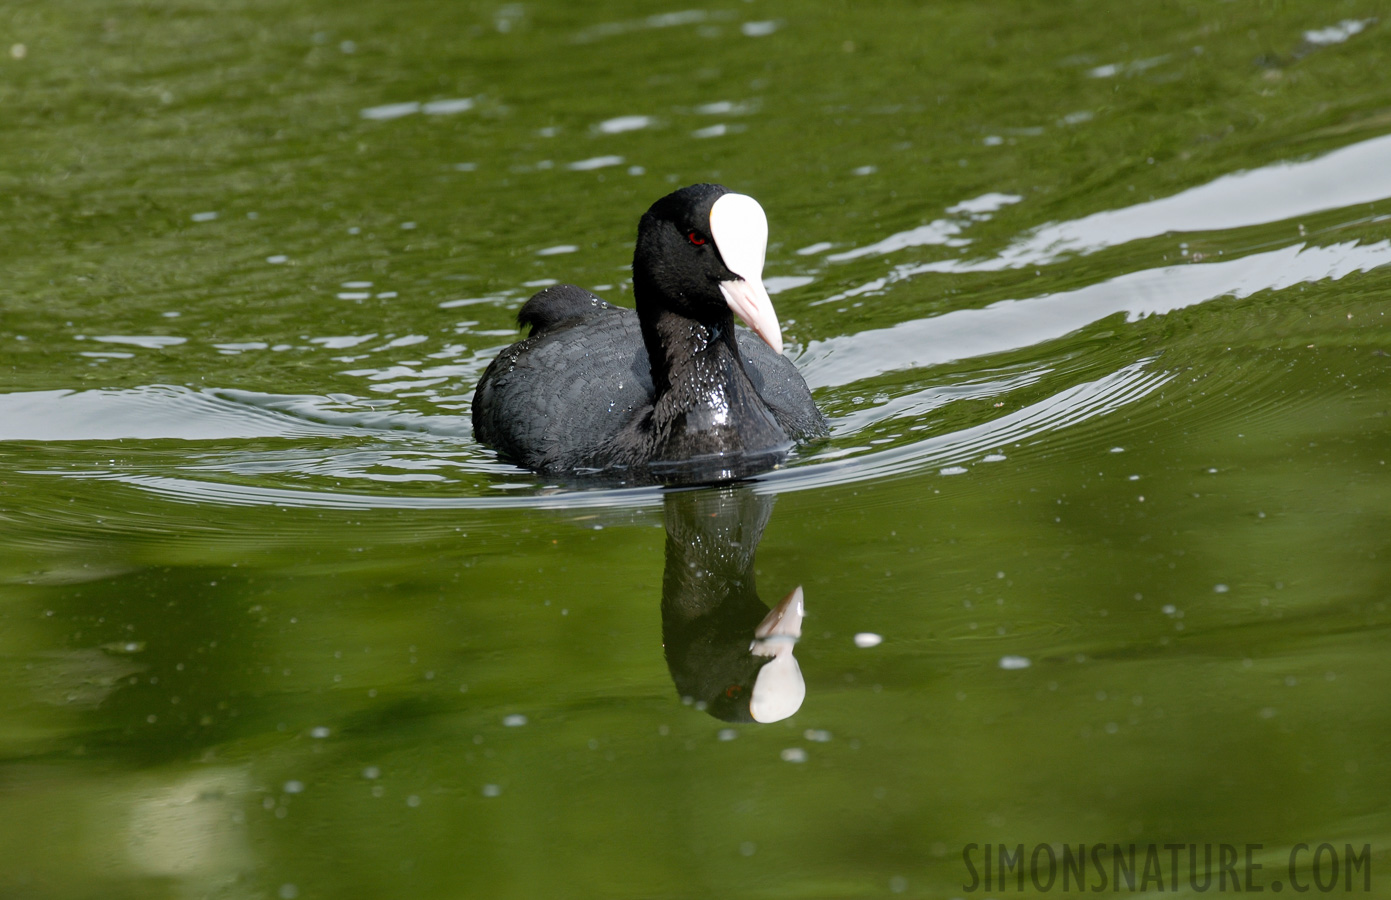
(670, 392)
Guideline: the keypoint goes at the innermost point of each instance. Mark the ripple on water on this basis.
(421, 435)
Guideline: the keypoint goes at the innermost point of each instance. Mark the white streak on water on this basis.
(658, 20)
(620, 124)
(447, 107)
(390, 111)
(1347, 177)
(984, 204)
(1072, 406)
(1014, 324)
(1336, 34)
(1350, 176)
(148, 341)
(594, 162)
(779, 283)
(939, 232)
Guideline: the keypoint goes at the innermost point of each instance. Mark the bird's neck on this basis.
(705, 402)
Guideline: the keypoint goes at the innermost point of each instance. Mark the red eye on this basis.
(734, 690)
(696, 239)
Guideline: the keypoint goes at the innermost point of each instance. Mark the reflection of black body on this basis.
(710, 608)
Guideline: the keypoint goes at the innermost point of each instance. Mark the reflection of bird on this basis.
(671, 389)
(724, 647)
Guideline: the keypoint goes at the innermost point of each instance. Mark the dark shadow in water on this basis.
(726, 650)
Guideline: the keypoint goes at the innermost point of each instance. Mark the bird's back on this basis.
(553, 399)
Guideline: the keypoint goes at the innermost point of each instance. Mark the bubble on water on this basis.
(1220, 589)
(293, 787)
(727, 734)
(491, 790)
(371, 773)
(516, 720)
(319, 732)
(1015, 662)
(794, 755)
(954, 470)
(816, 734)
(203, 216)
(868, 639)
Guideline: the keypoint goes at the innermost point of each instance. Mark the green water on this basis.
(1093, 294)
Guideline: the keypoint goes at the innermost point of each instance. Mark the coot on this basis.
(671, 391)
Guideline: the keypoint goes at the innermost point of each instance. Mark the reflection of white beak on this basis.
(740, 230)
(779, 690)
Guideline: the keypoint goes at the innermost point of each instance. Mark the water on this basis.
(1094, 298)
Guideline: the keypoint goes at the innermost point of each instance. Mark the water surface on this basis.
(1094, 297)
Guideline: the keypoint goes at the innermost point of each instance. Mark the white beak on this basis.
(740, 229)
